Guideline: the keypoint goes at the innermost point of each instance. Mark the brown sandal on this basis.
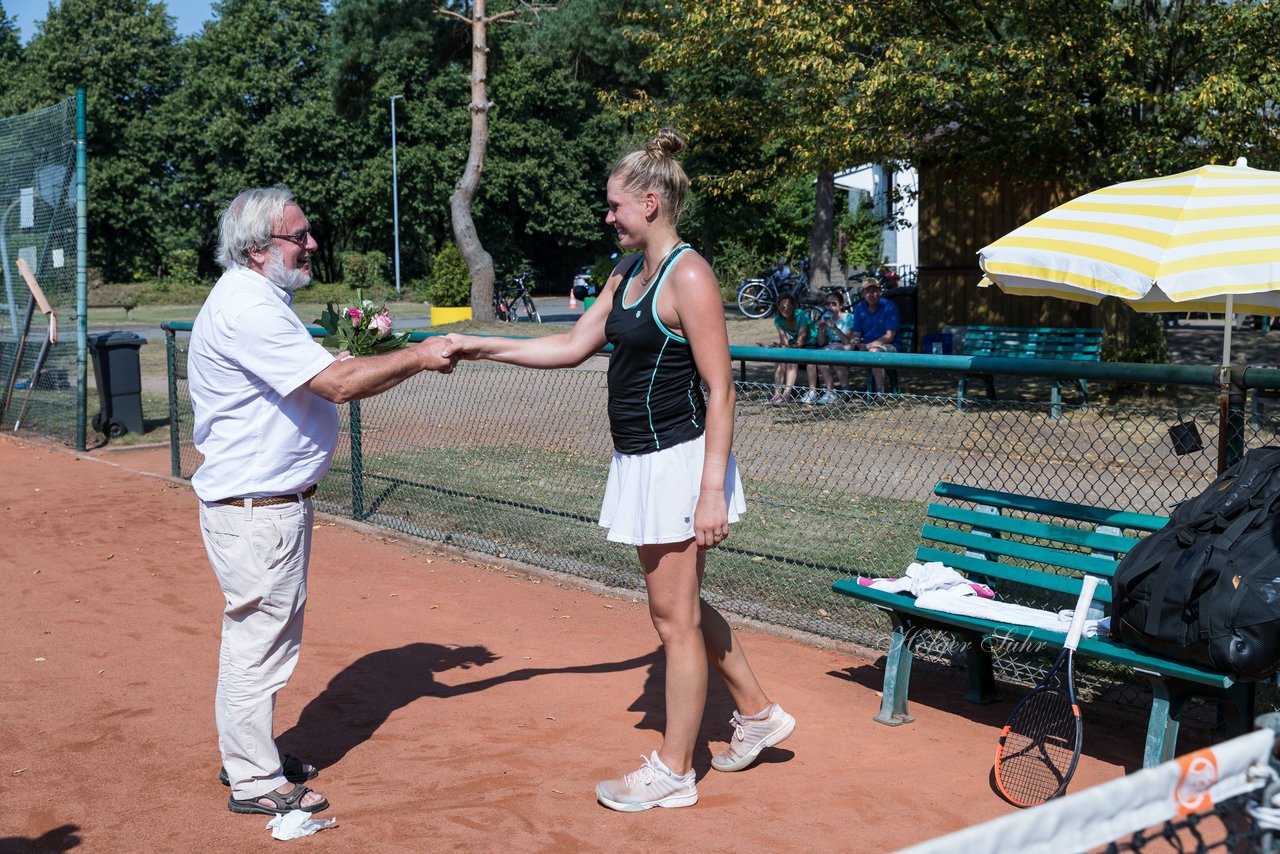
(283, 803)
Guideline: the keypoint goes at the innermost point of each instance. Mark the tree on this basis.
(124, 53)
(255, 109)
(1080, 94)
(10, 59)
(479, 262)
(767, 82)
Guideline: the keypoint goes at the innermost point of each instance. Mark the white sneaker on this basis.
(651, 785)
(810, 396)
(752, 736)
(828, 396)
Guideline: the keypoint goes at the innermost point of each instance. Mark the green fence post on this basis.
(357, 463)
(82, 267)
(175, 459)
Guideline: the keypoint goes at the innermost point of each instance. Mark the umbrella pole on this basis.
(1228, 321)
(1230, 391)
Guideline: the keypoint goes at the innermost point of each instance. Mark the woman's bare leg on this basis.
(673, 576)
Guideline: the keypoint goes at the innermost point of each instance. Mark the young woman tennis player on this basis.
(673, 485)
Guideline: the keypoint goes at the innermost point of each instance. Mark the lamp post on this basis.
(395, 193)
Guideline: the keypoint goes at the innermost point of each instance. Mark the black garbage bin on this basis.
(119, 380)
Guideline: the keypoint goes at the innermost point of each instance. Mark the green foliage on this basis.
(182, 267)
(124, 52)
(450, 281)
(1140, 338)
(734, 262)
(769, 94)
(858, 237)
(417, 288)
(601, 270)
(364, 269)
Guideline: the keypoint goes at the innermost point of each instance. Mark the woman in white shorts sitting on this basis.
(673, 485)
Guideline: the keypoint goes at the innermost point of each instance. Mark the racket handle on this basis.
(1082, 611)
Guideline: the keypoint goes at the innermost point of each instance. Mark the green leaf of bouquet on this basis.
(329, 318)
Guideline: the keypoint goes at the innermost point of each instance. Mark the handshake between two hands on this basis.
(443, 352)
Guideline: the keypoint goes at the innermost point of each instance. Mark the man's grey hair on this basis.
(247, 223)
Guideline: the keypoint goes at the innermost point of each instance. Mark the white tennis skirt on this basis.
(650, 498)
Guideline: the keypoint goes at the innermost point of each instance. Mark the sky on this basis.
(190, 14)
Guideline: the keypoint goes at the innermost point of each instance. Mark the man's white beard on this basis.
(286, 280)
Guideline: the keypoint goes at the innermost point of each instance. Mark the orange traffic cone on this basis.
(573, 301)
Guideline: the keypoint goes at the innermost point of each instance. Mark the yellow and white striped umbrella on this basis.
(1160, 243)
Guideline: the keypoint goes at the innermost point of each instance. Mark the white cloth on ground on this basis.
(296, 823)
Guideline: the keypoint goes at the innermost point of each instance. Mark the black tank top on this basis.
(655, 392)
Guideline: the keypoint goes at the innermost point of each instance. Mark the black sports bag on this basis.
(1206, 588)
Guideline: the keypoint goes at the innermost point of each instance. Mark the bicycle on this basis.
(512, 293)
(756, 297)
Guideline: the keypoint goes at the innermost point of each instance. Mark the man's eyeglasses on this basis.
(298, 239)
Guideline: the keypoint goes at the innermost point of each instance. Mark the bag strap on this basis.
(1166, 599)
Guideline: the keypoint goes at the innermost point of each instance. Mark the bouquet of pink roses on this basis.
(362, 330)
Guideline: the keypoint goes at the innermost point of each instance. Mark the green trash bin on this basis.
(118, 374)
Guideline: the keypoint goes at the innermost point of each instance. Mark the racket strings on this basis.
(1038, 748)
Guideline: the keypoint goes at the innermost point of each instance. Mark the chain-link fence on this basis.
(38, 226)
(512, 462)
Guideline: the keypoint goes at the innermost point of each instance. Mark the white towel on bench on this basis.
(953, 602)
(934, 575)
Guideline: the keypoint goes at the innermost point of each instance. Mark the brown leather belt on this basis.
(269, 500)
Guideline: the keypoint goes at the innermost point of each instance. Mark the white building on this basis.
(893, 195)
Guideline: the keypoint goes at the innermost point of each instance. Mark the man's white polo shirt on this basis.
(261, 432)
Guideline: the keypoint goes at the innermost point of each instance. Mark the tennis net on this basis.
(1225, 798)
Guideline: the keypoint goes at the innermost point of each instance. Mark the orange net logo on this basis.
(1199, 774)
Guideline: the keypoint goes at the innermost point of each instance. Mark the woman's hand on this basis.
(461, 346)
(711, 518)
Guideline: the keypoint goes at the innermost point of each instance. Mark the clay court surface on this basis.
(452, 702)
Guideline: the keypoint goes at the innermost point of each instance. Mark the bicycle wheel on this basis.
(755, 299)
(530, 309)
(500, 311)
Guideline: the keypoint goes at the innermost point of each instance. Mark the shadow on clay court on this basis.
(716, 717)
(363, 696)
(62, 838)
(359, 699)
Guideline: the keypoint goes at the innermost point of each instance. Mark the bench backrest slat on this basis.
(1046, 507)
(976, 566)
(1011, 342)
(1075, 561)
(1002, 524)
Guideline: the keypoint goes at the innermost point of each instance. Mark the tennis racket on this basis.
(1039, 746)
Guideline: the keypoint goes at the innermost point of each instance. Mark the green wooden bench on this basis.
(904, 342)
(1034, 551)
(1012, 342)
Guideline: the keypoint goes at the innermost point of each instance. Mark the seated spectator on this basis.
(876, 322)
(796, 330)
(835, 332)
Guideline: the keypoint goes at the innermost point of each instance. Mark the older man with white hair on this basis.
(264, 394)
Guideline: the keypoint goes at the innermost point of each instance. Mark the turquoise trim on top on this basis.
(675, 252)
(657, 289)
(631, 274)
(648, 393)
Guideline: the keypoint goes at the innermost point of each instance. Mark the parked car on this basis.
(582, 287)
